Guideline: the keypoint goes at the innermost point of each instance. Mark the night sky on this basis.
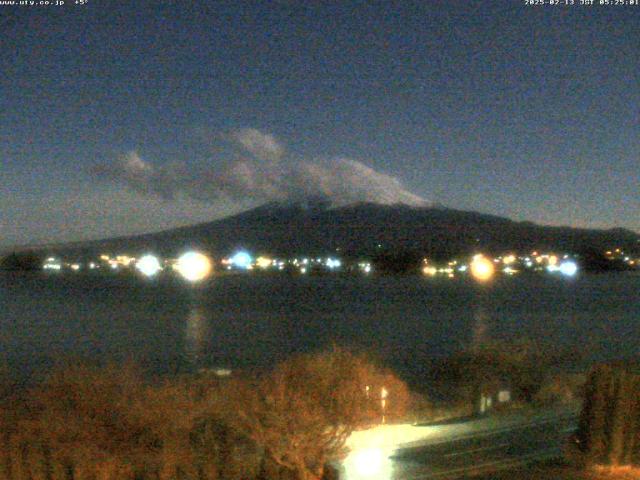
(126, 117)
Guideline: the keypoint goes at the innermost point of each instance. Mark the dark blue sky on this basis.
(527, 112)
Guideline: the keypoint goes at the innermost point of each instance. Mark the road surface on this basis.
(457, 450)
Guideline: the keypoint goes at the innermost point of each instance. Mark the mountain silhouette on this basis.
(360, 230)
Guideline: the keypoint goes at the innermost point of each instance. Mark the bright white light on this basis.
(242, 260)
(568, 268)
(366, 464)
(52, 264)
(333, 263)
(367, 269)
(149, 265)
(194, 266)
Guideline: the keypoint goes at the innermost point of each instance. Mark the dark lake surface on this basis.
(253, 321)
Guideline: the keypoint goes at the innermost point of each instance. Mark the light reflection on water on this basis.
(248, 321)
(480, 328)
(196, 335)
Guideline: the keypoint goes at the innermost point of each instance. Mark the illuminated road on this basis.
(454, 451)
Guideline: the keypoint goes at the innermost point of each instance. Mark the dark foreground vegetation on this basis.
(85, 423)
(288, 423)
(610, 425)
(534, 373)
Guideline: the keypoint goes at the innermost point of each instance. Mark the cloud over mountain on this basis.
(258, 171)
(261, 145)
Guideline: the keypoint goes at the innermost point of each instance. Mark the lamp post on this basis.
(383, 402)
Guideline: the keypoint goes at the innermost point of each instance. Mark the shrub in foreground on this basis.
(85, 423)
(302, 413)
(609, 430)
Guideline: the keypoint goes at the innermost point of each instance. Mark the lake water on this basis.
(252, 321)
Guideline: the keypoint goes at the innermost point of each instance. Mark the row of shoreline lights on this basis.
(195, 266)
(192, 266)
(483, 270)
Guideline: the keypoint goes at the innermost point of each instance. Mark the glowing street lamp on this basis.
(509, 259)
(333, 263)
(194, 266)
(384, 393)
(431, 271)
(482, 269)
(264, 262)
(568, 268)
(148, 265)
(242, 260)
